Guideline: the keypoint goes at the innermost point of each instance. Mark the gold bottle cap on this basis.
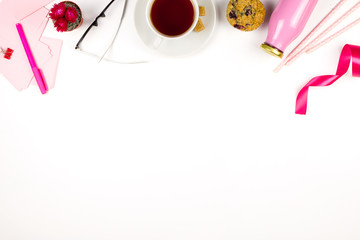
(272, 50)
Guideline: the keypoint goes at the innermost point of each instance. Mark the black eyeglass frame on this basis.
(93, 24)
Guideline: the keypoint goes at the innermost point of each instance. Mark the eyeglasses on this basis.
(123, 4)
(94, 24)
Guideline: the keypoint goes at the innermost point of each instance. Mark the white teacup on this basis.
(162, 35)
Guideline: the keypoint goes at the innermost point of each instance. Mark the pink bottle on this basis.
(286, 23)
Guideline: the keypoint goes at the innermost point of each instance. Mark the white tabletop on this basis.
(205, 146)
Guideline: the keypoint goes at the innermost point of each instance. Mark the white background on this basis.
(199, 147)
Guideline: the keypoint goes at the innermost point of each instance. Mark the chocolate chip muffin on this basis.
(246, 15)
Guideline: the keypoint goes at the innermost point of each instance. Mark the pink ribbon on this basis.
(348, 52)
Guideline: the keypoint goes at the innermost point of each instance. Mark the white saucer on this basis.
(176, 47)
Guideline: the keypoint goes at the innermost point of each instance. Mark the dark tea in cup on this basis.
(172, 17)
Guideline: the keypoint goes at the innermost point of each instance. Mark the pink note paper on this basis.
(33, 16)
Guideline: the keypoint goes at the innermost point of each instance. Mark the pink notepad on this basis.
(46, 51)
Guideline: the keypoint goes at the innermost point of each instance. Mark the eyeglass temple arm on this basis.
(102, 14)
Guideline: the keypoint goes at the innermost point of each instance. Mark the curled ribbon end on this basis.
(300, 109)
(349, 52)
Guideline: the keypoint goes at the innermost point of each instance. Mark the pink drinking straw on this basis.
(321, 35)
(299, 48)
(338, 33)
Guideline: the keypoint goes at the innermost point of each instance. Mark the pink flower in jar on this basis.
(58, 11)
(71, 14)
(61, 24)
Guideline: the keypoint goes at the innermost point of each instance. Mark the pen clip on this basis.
(40, 79)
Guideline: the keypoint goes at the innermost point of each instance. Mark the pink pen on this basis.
(37, 71)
